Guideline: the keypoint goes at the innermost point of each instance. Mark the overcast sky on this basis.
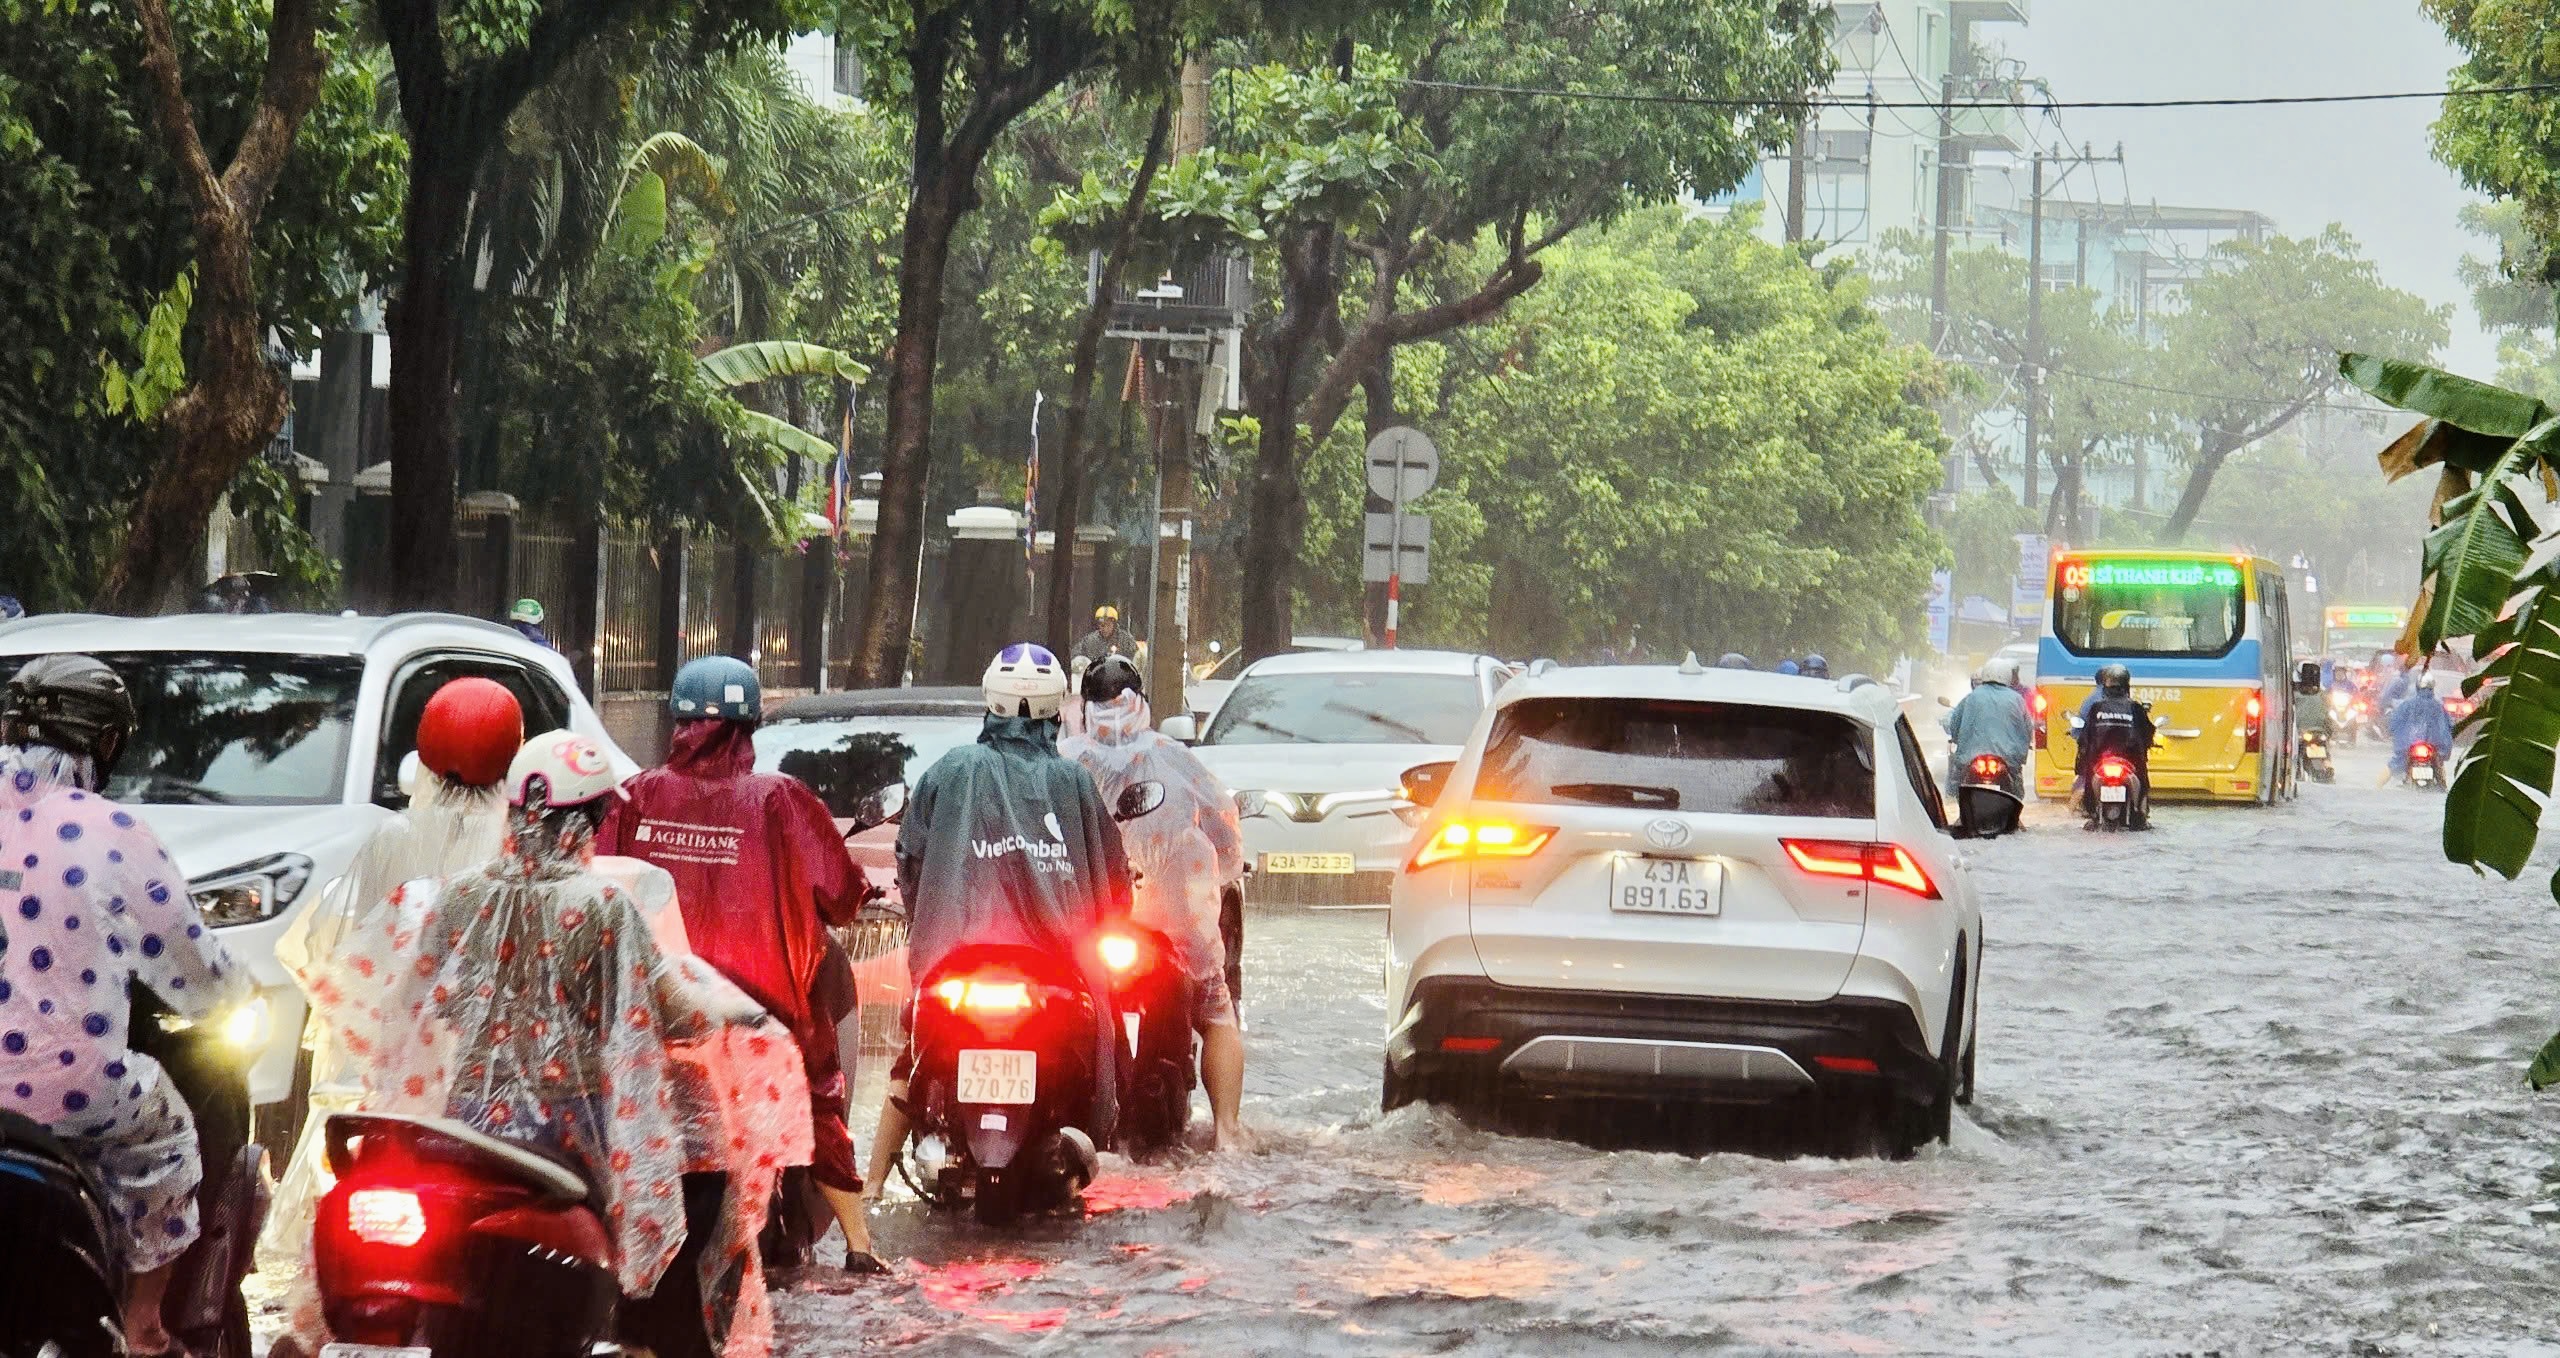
(2364, 165)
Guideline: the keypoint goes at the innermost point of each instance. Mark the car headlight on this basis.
(1251, 802)
(250, 892)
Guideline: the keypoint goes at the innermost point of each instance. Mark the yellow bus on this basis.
(2210, 643)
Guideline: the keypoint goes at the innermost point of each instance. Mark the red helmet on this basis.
(469, 731)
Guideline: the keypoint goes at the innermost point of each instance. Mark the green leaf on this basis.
(2456, 400)
(746, 364)
(639, 217)
(2493, 810)
(788, 437)
(2475, 555)
(2545, 1071)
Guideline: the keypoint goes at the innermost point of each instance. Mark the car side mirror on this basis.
(1181, 726)
(1423, 783)
(887, 806)
(1137, 799)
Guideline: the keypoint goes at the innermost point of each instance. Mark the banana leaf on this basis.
(2431, 442)
(787, 436)
(2546, 1063)
(2474, 556)
(742, 365)
(2493, 809)
(2476, 406)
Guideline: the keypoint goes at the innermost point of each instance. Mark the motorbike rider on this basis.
(2419, 717)
(1733, 660)
(2114, 724)
(1184, 853)
(761, 872)
(2310, 702)
(10, 609)
(94, 904)
(1815, 667)
(526, 617)
(1992, 719)
(968, 873)
(468, 732)
(1106, 638)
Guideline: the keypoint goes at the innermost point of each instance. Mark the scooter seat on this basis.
(550, 1175)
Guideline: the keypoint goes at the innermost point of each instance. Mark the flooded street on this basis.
(2252, 1084)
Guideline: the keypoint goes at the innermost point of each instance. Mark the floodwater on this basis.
(2251, 1084)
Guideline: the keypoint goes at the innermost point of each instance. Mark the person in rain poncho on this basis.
(760, 872)
(1184, 854)
(2419, 717)
(530, 1000)
(468, 732)
(1992, 719)
(1005, 842)
(93, 903)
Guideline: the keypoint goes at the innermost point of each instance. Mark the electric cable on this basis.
(2021, 105)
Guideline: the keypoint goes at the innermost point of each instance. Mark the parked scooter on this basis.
(1004, 1069)
(60, 1249)
(1990, 798)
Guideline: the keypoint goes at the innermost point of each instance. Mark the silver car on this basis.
(1319, 742)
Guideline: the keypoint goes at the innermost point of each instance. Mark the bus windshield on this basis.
(2148, 606)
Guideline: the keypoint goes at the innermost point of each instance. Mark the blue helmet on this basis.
(1788, 667)
(10, 608)
(716, 687)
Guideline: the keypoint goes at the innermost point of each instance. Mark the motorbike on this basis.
(2314, 746)
(2119, 800)
(1990, 798)
(1159, 1052)
(61, 1246)
(1005, 1068)
(2426, 768)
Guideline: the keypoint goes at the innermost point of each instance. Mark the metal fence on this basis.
(710, 597)
(627, 625)
(781, 584)
(543, 564)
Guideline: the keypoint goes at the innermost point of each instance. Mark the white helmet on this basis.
(561, 768)
(1025, 680)
(2426, 681)
(2005, 671)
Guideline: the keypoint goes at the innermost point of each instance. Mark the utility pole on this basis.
(2035, 298)
(1170, 623)
(1946, 213)
(1799, 160)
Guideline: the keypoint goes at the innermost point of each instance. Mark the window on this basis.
(1661, 755)
(1857, 35)
(848, 72)
(1837, 195)
(1349, 708)
(845, 759)
(247, 729)
(2147, 606)
(1916, 765)
(546, 708)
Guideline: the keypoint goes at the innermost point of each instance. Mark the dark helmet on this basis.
(1733, 660)
(2306, 677)
(2115, 681)
(1816, 666)
(716, 688)
(71, 702)
(1110, 677)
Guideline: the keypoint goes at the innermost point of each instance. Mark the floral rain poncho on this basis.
(448, 828)
(1185, 851)
(89, 901)
(530, 1000)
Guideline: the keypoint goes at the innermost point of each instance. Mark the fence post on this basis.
(817, 579)
(675, 577)
(741, 641)
(582, 621)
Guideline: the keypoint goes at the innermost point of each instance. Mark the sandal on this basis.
(864, 1264)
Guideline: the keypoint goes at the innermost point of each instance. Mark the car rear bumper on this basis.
(1460, 1035)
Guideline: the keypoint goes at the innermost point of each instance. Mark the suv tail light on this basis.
(1481, 839)
(1884, 864)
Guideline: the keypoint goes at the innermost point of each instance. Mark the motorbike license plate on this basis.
(375, 1351)
(1666, 886)
(2114, 792)
(998, 1076)
(2421, 774)
(1324, 864)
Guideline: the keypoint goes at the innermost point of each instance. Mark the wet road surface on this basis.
(2251, 1084)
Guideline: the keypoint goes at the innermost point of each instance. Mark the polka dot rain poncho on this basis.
(89, 901)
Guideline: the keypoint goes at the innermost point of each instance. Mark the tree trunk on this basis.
(1066, 504)
(233, 402)
(888, 606)
(425, 324)
(1276, 506)
(2215, 450)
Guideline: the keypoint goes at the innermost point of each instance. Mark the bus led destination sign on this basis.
(2173, 574)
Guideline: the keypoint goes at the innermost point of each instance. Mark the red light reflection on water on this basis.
(1120, 1193)
(966, 1288)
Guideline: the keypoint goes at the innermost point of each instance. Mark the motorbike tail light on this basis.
(1989, 766)
(1119, 951)
(983, 996)
(1884, 864)
(1482, 839)
(386, 1216)
(2422, 750)
(2113, 771)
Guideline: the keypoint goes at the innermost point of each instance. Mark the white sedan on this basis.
(1324, 738)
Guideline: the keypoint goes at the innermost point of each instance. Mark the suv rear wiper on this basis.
(169, 787)
(1621, 794)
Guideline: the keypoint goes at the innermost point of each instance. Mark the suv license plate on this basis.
(998, 1076)
(1666, 886)
(2114, 792)
(1324, 864)
(374, 1351)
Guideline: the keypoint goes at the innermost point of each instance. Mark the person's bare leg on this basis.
(848, 1208)
(143, 1332)
(1222, 1070)
(885, 1142)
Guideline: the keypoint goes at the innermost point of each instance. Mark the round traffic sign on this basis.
(1403, 464)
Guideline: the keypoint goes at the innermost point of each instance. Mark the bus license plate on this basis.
(998, 1076)
(2114, 792)
(1666, 886)
(375, 1351)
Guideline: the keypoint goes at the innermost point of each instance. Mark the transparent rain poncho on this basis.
(529, 999)
(1185, 851)
(449, 827)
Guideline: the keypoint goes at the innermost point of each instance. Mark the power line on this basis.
(2019, 105)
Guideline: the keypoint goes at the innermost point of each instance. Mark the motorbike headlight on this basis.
(243, 1028)
(252, 891)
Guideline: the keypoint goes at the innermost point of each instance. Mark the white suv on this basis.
(269, 748)
(1688, 886)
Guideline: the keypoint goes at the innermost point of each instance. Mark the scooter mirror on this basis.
(884, 807)
(1137, 799)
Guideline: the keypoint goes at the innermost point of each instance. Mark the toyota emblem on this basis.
(1666, 833)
